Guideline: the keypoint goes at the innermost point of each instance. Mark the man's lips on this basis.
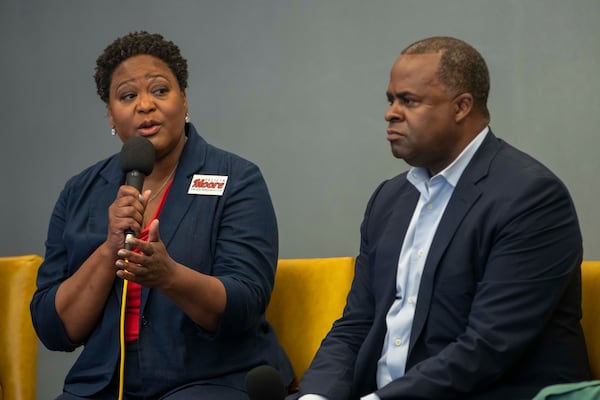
(393, 134)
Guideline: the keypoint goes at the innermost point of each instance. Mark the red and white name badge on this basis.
(208, 185)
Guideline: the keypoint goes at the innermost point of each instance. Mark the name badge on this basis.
(208, 185)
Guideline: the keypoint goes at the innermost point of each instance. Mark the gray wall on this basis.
(297, 87)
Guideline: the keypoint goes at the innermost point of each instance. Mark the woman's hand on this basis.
(151, 266)
(202, 297)
(126, 212)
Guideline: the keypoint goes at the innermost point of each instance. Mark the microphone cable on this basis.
(136, 161)
(122, 338)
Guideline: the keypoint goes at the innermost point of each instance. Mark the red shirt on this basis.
(134, 290)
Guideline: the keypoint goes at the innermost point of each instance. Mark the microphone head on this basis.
(137, 154)
(265, 383)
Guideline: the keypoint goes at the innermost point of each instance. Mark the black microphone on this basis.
(137, 162)
(265, 383)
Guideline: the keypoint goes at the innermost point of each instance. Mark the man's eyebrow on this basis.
(400, 94)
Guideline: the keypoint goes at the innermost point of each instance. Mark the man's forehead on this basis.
(420, 59)
(421, 67)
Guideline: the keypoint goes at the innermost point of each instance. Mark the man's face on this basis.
(422, 126)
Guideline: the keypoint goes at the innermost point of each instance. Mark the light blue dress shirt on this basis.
(435, 193)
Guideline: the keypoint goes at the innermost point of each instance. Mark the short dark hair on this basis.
(133, 44)
(462, 69)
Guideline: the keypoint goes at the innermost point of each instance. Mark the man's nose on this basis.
(394, 112)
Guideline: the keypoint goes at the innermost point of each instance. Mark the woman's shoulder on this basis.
(107, 167)
(217, 157)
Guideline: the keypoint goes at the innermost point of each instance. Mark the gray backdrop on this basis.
(297, 87)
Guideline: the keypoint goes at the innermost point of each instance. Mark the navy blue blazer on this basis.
(498, 308)
(232, 237)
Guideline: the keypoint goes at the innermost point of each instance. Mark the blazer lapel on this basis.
(178, 202)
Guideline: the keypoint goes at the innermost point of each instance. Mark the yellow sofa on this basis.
(310, 294)
(590, 304)
(18, 341)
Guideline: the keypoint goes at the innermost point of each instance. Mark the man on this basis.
(467, 284)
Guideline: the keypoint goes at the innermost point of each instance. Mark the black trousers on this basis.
(134, 388)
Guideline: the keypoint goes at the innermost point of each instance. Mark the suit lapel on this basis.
(464, 197)
(399, 211)
(394, 235)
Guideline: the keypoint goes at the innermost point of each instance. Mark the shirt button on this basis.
(421, 252)
(398, 341)
(429, 206)
(412, 300)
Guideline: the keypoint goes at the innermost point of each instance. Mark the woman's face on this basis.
(145, 100)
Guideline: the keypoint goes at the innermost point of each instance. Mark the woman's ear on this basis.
(110, 117)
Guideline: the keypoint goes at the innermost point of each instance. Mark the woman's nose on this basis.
(145, 102)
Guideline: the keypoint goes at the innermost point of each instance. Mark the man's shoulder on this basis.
(519, 166)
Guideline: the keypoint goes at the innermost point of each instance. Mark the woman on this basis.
(198, 281)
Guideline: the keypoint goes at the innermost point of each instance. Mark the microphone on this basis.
(265, 383)
(137, 162)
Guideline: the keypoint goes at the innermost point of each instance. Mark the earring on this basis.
(187, 117)
(113, 132)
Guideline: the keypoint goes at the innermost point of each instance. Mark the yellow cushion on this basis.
(590, 304)
(18, 341)
(309, 295)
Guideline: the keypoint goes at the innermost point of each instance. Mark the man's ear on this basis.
(464, 105)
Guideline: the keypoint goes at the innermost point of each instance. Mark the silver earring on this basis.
(187, 117)
(113, 132)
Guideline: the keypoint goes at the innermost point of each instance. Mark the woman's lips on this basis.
(149, 130)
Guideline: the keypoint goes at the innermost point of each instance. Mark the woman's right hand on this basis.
(126, 212)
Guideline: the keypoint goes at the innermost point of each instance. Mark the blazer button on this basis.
(145, 321)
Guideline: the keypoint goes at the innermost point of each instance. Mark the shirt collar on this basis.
(453, 172)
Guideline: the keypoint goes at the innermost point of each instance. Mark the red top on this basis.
(134, 290)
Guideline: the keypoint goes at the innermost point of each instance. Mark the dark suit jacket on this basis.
(498, 310)
(233, 237)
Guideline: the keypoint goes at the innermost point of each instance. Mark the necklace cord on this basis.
(154, 195)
